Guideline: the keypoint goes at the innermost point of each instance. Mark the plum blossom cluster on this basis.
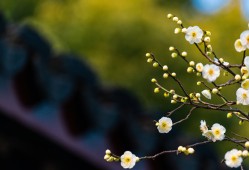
(214, 75)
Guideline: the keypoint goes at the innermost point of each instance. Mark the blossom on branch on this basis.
(244, 36)
(164, 125)
(128, 160)
(210, 72)
(239, 47)
(218, 132)
(242, 96)
(194, 35)
(233, 158)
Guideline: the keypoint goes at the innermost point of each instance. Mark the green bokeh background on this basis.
(114, 35)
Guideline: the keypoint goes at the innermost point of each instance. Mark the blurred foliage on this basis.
(113, 37)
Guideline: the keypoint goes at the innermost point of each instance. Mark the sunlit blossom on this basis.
(232, 159)
(194, 35)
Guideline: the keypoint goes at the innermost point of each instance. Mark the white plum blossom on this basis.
(128, 160)
(203, 126)
(194, 35)
(246, 62)
(238, 46)
(206, 93)
(245, 84)
(218, 132)
(244, 37)
(164, 125)
(244, 71)
(242, 96)
(199, 67)
(210, 72)
(233, 158)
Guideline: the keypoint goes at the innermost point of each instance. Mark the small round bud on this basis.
(171, 48)
(172, 91)
(221, 60)
(239, 153)
(198, 74)
(174, 55)
(137, 159)
(209, 47)
(155, 64)
(198, 83)
(229, 115)
(192, 63)
(184, 149)
(184, 30)
(173, 101)
(191, 150)
(110, 159)
(106, 157)
(177, 30)
(241, 122)
(179, 148)
(215, 91)
(165, 75)
(169, 16)
(198, 95)
(148, 55)
(244, 77)
(208, 53)
(247, 144)
(245, 153)
(175, 96)
(157, 124)
(207, 39)
(156, 90)
(173, 74)
(175, 19)
(165, 68)
(208, 33)
(108, 152)
(237, 77)
(149, 60)
(179, 22)
(184, 53)
(166, 94)
(225, 73)
(153, 80)
(189, 69)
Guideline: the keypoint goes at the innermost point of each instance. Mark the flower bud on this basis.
(198, 83)
(175, 96)
(174, 55)
(153, 80)
(241, 122)
(208, 33)
(172, 91)
(166, 94)
(148, 55)
(245, 153)
(221, 60)
(106, 157)
(237, 77)
(214, 91)
(108, 152)
(149, 60)
(191, 150)
(165, 75)
(207, 39)
(179, 148)
(184, 30)
(173, 74)
(156, 90)
(171, 48)
(189, 69)
(177, 30)
(198, 95)
(155, 64)
(173, 101)
(169, 16)
(247, 144)
(229, 115)
(184, 53)
(179, 22)
(165, 68)
(191, 63)
(175, 19)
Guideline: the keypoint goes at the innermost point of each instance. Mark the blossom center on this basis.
(234, 158)
(194, 34)
(164, 124)
(244, 95)
(210, 72)
(217, 132)
(127, 160)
